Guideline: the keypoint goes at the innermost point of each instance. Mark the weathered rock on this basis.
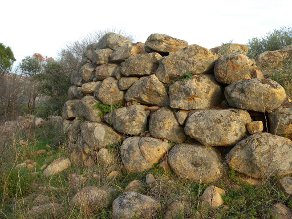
(280, 211)
(164, 43)
(134, 186)
(90, 87)
(57, 166)
(113, 41)
(124, 52)
(49, 210)
(98, 135)
(217, 127)
(255, 94)
(150, 179)
(274, 59)
(139, 154)
(109, 93)
(255, 127)
(181, 116)
(72, 131)
(163, 124)
(262, 155)
(175, 210)
(286, 184)
(281, 122)
(195, 162)
(230, 48)
(140, 65)
(104, 71)
(148, 90)
(132, 205)
(113, 175)
(87, 72)
(101, 56)
(235, 67)
(193, 59)
(200, 92)
(70, 109)
(87, 109)
(92, 199)
(74, 92)
(212, 196)
(126, 82)
(76, 78)
(104, 157)
(131, 120)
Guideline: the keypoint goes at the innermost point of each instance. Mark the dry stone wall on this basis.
(166, 100)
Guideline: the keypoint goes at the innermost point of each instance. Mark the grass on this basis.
(19, 187)
(104, 108)
(186, 76)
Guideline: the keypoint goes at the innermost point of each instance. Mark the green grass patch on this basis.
(104, 108)
(186, 76)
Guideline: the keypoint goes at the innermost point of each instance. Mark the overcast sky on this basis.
(30, 26)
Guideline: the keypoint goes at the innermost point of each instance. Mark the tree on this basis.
(275, 40)
(30, 66)
(6, 58)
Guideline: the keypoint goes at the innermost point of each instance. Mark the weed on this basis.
(104, 108)
(186, 76)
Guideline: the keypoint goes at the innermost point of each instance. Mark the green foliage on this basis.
(275, 40)
(104, 108)
(6, 58)
(30, 66)
(186, 76)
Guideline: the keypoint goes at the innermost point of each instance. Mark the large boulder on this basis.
(275, 59)
(235, 67)
(104, 71)
(218, 127)
(130, 205)
(124, 52)
(101, 56)
(131, 120)
(195, 162)
(140, 65)
(113, 41)
(163, 124)
(255, 94)
(148, 90)
(98, 135)
(139, 154)
(164, 43)
(92, 199)
(281, 122)
(199, 92)
(109, 92)
(86, 109)
(192, 59)
(230, 48)
(262, 155)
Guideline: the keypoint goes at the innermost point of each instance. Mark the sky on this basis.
(46, 27)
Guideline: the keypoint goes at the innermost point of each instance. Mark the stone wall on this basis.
(165, 100)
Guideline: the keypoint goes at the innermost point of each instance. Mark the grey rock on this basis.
(195, 162)
(281, 122)
(113, 41)
(131, 120)
(199, 92)
(163, 124)
(230, 48)
(104, 71)
(126, 82)
(139, 154)
(87, 72)
(74, 92)
(90, 87)
(140, 65)
(262, 155)
(132, 205)
(259, 95)
(86, 109)
(148, 90)
(124, 52)
(101, 56)
(218, 127)
(181, 116)
(193, 59)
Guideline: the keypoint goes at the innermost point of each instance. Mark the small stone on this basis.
(76, 181)
(280, 211)
(286, 184)
(104, 157)
(213, 196)
(130, 205)
(113, 175)
(150, 179)
(181, 116)
(57, 166)
(255, 127)
(134, 186)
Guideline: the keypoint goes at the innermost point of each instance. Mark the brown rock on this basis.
(280, 211)
(212, 196)
(113, 41)
(57, 166)
(181, 116)
(124, 52)
(175, 210)
(134, 186)
(101, 56)
(230, 48)
(286, 184)
(74, 92)
(255, 127)
(48, 210)
(126, 82)
(87, 72)
(87, 109)
(281, 122)
(90, 87)
(104, 71)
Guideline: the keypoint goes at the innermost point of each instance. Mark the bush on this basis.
(275, 40)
